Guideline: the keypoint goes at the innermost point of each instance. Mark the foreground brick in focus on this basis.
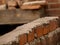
(30, 36)
(46, 29)
(53, 25)
(26, 33)
(39, 31)
(23, 39)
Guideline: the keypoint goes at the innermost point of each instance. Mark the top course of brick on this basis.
(24, 29)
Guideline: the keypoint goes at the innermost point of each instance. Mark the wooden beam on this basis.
(18, 16)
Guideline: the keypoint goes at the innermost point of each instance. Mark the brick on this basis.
(53, 25)
(56, 5)
(46, 29)
(23, 39)
(31, 36)
(54, 11)
(39, 31)
(30, 6)
(33, 4)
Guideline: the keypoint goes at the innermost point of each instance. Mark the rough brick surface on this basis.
(30, 36)
(33, 33)
(46, 29)
(23, 39)
(39, 31)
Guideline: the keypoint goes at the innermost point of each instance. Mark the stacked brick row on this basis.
(43, 31)
(53, 8)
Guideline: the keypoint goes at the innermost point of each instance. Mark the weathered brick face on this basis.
(23, 39)
(38, 32)
(30, 36)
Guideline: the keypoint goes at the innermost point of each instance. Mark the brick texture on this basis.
(46, 29)
(39, 31)
(23, 39)
(31, 36)
(53, 25)
(34, 33)
(53, 8)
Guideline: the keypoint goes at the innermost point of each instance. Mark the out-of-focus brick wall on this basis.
(53, 8)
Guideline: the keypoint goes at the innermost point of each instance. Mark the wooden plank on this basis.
(18, 16)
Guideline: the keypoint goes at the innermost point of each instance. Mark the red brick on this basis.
(23, 39)
(53, 25)
(53, 11)
(39, 31)
(31, 36)
(57, 5)
(30, 6)
(46, 29)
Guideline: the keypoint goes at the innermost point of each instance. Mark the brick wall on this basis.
(53, 8)
(38, 32)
